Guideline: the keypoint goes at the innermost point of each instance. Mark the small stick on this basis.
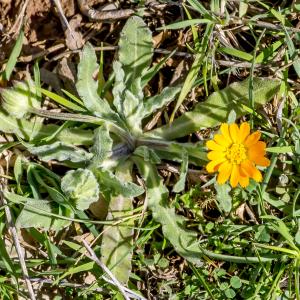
(105, 15)
(63, 17)
(13, 231)
(94, 257)
(18, 23)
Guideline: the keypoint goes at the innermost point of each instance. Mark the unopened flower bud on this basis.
(19, 99)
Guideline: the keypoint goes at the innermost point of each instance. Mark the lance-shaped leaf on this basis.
(113, 185)
(87, 86)
(119, 86)
(135, 48)
(36, 130)
(38, 213)
(156, 102)
(180, 184)
(102, 147)
(116, 247)
(216, 108)
(61, 152)
(81, 187)
(183, 240)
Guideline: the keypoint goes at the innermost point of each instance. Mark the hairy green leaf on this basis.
(26, 130)
(184, 241)
(116, 247)
(180, 184)
(61, 152)
(216, 108)
(37, 213)
(119, 86)
(81, 187)
(156, 102)
(102, 147)
(110, 183)
(135, 48)
(87, 87)
(223, 197)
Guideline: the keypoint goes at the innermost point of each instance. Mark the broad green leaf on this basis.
(183, 240)
(117, 241)
(180, 184)
(243, 7)
(156, 102)
(81, 187)
(216, 108)
(61, 152)
(223, 197)
(135, 48)
(147, 154)
(87, 87)
(37, 213)
(102, 147)
(14, 56)
(115, 186)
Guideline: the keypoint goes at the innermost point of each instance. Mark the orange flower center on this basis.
(236, 153)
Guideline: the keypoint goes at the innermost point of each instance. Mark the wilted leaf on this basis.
(81, 187)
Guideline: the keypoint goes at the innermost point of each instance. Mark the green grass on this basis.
(264, 218)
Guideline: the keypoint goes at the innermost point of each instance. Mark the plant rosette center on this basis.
(235, 155)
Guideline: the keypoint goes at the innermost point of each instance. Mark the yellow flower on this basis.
(235, 153)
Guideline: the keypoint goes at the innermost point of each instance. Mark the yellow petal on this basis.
(252, 139)
(225, 131)
(244, 181)
(221, 140)
(247, 168)
(214, 165)
(224, 172)
(234, 178)
(234, 132)
(257, 175)
(244, 131)
(262, 161)
(214, 155)
(212, 145)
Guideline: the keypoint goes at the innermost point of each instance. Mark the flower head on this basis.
(235, 153)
